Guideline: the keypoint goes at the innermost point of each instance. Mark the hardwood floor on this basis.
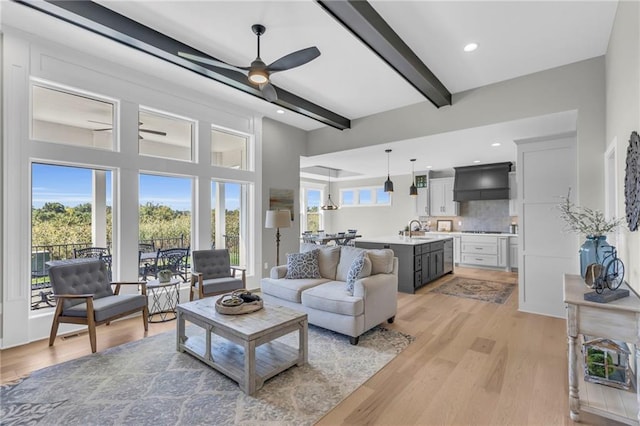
(472, 363)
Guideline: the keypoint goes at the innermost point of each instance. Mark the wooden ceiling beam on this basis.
(362, 20)
(103, 21)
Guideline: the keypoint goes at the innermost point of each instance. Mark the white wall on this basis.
(623, 115)
(25, 56)
(578, 86)
(373, 221)
(282, 146)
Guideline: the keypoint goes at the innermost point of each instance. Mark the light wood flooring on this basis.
(472, 363)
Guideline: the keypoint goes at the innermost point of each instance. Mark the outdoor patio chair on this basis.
(173, 259)
(213, 274)
(84, 296)
(102, 253)
(146, 256)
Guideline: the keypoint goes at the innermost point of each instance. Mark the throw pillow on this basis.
(355, 270)
(303, 265)
(328, 260)
(347, 256)
(381, 261)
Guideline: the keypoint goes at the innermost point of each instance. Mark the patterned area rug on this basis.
(148, 382)
(487, 291)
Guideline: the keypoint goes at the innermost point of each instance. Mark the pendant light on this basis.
(413, 190)
(388, 185)
(329, 205)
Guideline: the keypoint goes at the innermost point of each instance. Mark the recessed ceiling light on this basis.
(428, 167)
(471, 47)
(495, 144)
(280, 111)
(476, 161)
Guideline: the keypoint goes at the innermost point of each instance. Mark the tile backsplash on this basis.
(484, 215)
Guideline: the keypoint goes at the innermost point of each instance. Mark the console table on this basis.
(619, 320)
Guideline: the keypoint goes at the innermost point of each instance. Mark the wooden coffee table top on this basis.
(246, 326)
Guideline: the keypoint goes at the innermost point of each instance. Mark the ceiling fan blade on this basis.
(212, 62)
(269, 92)
(154, 132)
(294, 59)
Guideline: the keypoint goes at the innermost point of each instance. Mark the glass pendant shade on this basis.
(413, 190)
(329, 205)
(388, 185)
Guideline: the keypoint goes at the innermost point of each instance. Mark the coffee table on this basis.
(249, 355)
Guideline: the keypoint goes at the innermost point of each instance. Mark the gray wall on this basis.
(282, 146)
(623, 114)
(579, 86)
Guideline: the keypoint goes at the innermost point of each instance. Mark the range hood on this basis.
(484, 182)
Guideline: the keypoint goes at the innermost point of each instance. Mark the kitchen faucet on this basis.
(410, 223)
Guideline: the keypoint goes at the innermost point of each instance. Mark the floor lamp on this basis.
(277, 219)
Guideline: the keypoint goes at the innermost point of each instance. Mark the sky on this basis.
(72, 186)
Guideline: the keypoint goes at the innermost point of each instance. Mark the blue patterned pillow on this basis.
(303, 265)
(354, 271)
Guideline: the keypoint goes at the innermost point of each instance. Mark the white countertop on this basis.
(396, 239)
(422, 239)
(458, 233)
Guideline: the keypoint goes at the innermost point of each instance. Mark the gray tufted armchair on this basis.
(213, 274)
(84, 296)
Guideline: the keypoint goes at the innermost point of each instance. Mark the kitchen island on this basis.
(421, 260)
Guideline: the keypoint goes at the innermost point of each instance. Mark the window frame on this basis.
(357, 190)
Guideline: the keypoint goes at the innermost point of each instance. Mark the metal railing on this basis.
(41, 254)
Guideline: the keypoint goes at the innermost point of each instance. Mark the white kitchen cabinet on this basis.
(479, 250)
(441, 198)
(513, 252)
(503, 252)
(456, 250)
(422, 202)
(513, 194)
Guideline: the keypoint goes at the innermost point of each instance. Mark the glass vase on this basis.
(593, 250)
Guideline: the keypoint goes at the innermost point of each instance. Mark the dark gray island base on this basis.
(420, 260)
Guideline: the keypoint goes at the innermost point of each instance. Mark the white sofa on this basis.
(326, 299)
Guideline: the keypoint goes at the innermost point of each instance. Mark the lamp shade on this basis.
(278, 219)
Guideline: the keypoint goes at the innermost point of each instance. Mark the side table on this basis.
(165, 297)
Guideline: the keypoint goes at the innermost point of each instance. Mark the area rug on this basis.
(148, 382)
(487, 291)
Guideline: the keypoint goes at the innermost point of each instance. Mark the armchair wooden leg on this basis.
(145, 318)
(56, 323)
(91, 325)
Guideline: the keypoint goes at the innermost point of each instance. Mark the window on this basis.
(70, 210)
(228, 150)
(165, 211)
(62, 116)
(347, 197)
(229, 213)
(364, 196)
(165, 135)
(312, 218)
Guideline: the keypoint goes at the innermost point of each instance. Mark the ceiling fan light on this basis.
(258, 76)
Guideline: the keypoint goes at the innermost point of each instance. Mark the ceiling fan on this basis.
(258, 72)
(140, 123)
